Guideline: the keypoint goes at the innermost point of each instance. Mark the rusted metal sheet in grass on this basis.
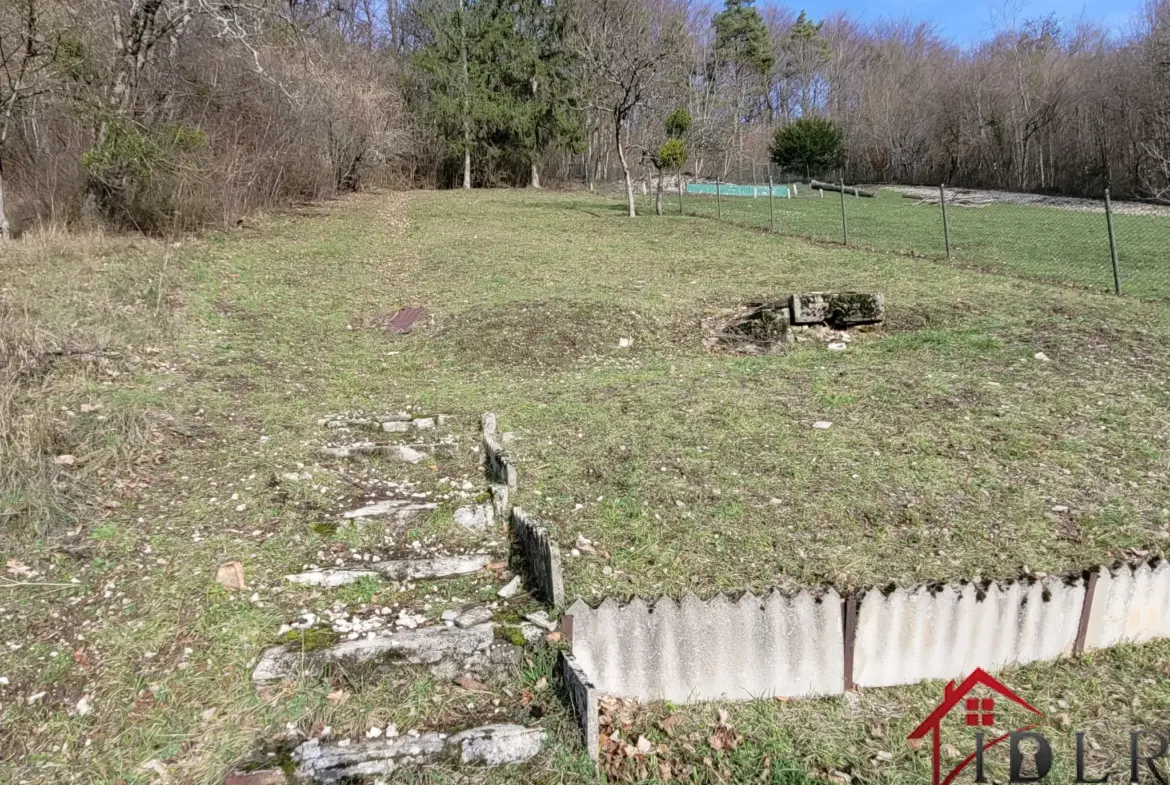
(907, 636)
(720, 649)
(404, 319)
(1131, 604)
(542, 554)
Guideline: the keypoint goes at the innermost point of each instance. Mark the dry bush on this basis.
(76, 312)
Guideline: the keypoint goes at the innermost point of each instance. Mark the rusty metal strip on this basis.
(849, 618)
(1086, 611)
(401, 321)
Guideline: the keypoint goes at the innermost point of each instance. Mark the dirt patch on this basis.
(542, 333)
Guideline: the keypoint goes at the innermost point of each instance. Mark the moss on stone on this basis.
(312, 639)
(512, 635)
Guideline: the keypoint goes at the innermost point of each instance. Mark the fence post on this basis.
(849, 611)
(1086, 612)
(771, 206)
(681, 188)
(942, 200)
(718, 204)
(844, 221)
(1112, 243)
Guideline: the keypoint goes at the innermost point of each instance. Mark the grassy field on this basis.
(1046, 243)
(154, 395)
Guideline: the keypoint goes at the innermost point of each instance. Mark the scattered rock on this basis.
(822, 424)
(478, 516)
(450, 615)
(396, 426)
(509, 591)
(1042, 357)
(423, 423)
(1059, 508)
(625, 343)
(837, 346)
(489, 745)
(541, 619)
(65, 460)
(231, 576)
(473, 616)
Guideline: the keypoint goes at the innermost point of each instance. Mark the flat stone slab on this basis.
(488, 745)
(444, 651)
(396, 507)
(840, 309)
(475, 516)
(405, 569)
(410, 453)
(439, 567)
(330, 578)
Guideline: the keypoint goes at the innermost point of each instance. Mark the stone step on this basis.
(410, 453)
(400, 508)
(444, 651)
(393, 423)
(488, 745)
(396, 569)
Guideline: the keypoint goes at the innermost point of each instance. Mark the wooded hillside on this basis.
(165, 115)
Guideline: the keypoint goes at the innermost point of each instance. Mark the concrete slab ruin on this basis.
(488, 745)
(764, 327)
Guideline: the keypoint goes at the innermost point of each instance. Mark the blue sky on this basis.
(967, 21)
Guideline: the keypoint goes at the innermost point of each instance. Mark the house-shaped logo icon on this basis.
(980, 712)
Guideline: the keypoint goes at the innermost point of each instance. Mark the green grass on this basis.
(690, 470)
(1066, 246)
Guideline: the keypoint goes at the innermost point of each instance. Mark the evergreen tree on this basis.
(741, 39)
(811, 144)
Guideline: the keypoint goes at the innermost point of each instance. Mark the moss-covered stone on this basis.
(512, 635)
(312, 639)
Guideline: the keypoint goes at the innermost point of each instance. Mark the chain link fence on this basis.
(1093, 244)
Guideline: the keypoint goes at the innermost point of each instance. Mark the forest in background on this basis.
(169, 115)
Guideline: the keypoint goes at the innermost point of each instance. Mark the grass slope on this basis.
(693, 470)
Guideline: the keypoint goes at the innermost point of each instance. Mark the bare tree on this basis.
(24, 73)
(630, 50)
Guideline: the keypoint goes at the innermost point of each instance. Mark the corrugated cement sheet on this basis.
(907, 636)
(1130, 604)
(715, 650)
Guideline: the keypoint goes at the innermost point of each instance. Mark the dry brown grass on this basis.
(76, 310)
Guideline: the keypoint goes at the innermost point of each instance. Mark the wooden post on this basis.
(681, 188)
(771, 207)
(942, 199)
(844, 221)
(1112, 244)
(718, 204)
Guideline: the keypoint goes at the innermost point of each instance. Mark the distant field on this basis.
(1066, 246)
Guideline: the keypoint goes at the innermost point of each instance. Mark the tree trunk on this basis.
(658, 194)
(466, 99)
(5, 229)
(534, 180)
(625, 167)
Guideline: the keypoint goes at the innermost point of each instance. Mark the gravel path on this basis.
(1062, 202)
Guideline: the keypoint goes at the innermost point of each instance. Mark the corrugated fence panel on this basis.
(924, 633)
(1130, 605)
(713, 650)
